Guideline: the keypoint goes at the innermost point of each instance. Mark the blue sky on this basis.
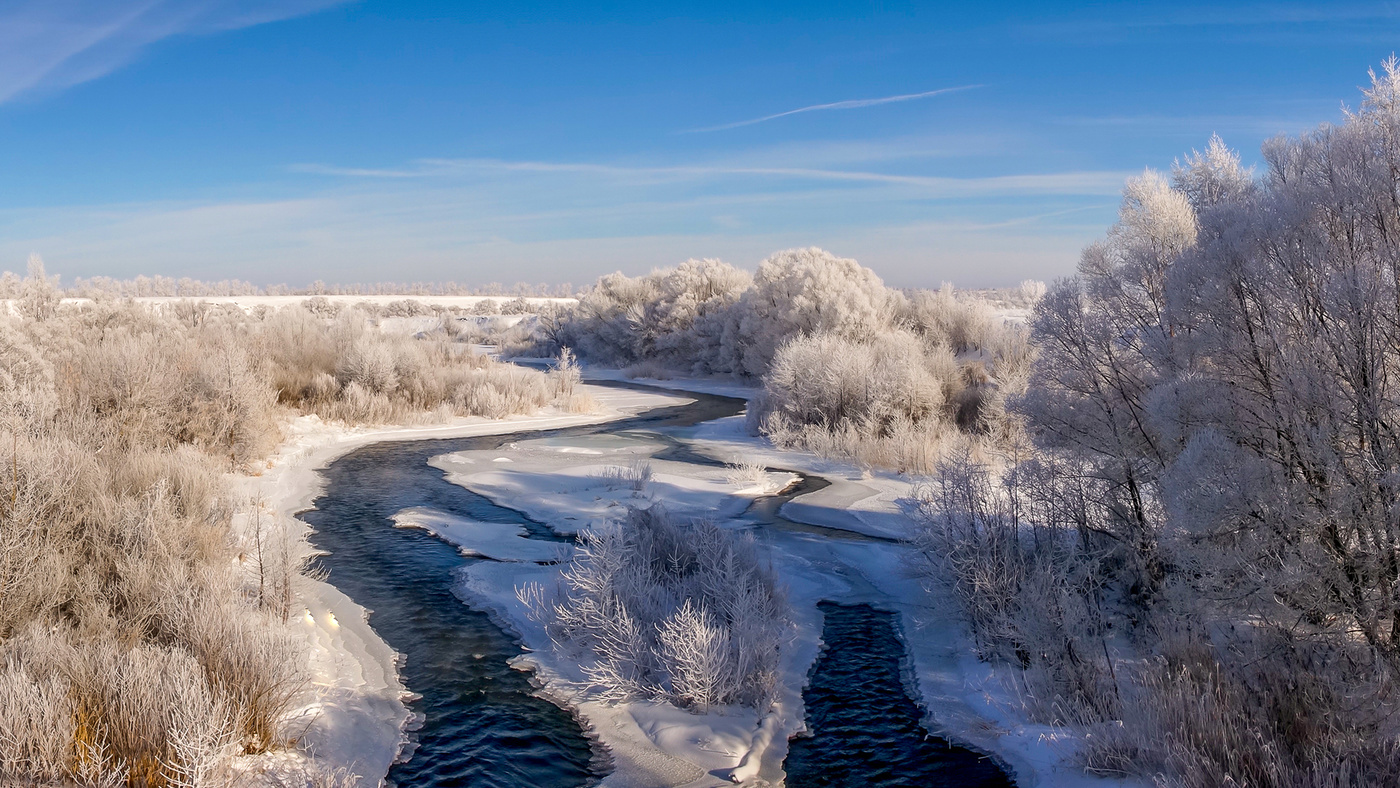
(293, 140)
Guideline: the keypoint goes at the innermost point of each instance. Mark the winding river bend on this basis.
(480, 724)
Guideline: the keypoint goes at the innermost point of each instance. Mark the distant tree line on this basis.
(185, 287)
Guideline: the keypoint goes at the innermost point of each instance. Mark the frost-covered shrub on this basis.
(661, 607)
(676, 316)
(825, 379)
(634, 476)
(369, 364)
(128, 649)
(142, 637)
(873, 351)
(343, 369)
(802, 292)
(891, 400)
(1030, 591)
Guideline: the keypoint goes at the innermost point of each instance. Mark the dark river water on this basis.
(864, 728)
(481, 726)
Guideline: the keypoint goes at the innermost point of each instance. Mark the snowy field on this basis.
(248, 303)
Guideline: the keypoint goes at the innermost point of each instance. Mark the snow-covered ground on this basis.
(354, 706)
(250, 302)
(573, 482)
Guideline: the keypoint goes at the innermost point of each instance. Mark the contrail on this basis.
(852, 104)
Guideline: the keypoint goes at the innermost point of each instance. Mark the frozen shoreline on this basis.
(355, 704)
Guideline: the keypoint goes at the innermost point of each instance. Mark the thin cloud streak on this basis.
(850, 104)
(1108, 182)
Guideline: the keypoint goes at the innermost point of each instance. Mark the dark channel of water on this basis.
(864, 729)
(481, 724)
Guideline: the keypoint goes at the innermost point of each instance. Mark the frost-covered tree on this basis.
(675, 316)
(850, 367)
(1211, 177)
(1214, 408)
(802, 292)
(39, 294)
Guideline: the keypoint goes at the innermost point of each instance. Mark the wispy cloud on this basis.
(1094, 182)
(54, 44)
(850, 104)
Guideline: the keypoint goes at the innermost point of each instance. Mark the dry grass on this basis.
(634, 476)
(139, 644)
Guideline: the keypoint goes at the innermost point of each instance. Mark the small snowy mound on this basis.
(496, 541)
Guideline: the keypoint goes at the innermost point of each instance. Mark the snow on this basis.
(250, 302)
(496, 541)
(649, 744)
(564, 483)
(420, 324)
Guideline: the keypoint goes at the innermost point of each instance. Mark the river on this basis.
(479, 723)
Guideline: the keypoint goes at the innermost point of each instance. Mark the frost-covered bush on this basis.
(802, 292)
(829, 380)
(874, 401)
(342, 368)
(675, 316)
(1028, 582)
(669, 608)
(129, 651)
(893, 377)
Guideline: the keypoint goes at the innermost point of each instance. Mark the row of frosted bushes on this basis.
(849, 366)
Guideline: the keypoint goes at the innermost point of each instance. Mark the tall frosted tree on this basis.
(1215, 409)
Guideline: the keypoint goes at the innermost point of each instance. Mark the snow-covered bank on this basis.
(572, 482)
(354, 707)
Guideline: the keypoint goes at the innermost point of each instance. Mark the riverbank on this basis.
(354, 710)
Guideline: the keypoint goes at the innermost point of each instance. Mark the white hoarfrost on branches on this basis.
(802, 292)
(1197, 560)
(146, 631)
(850, 367)
(656, 606)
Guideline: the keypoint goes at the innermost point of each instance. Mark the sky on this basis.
(286, 141)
